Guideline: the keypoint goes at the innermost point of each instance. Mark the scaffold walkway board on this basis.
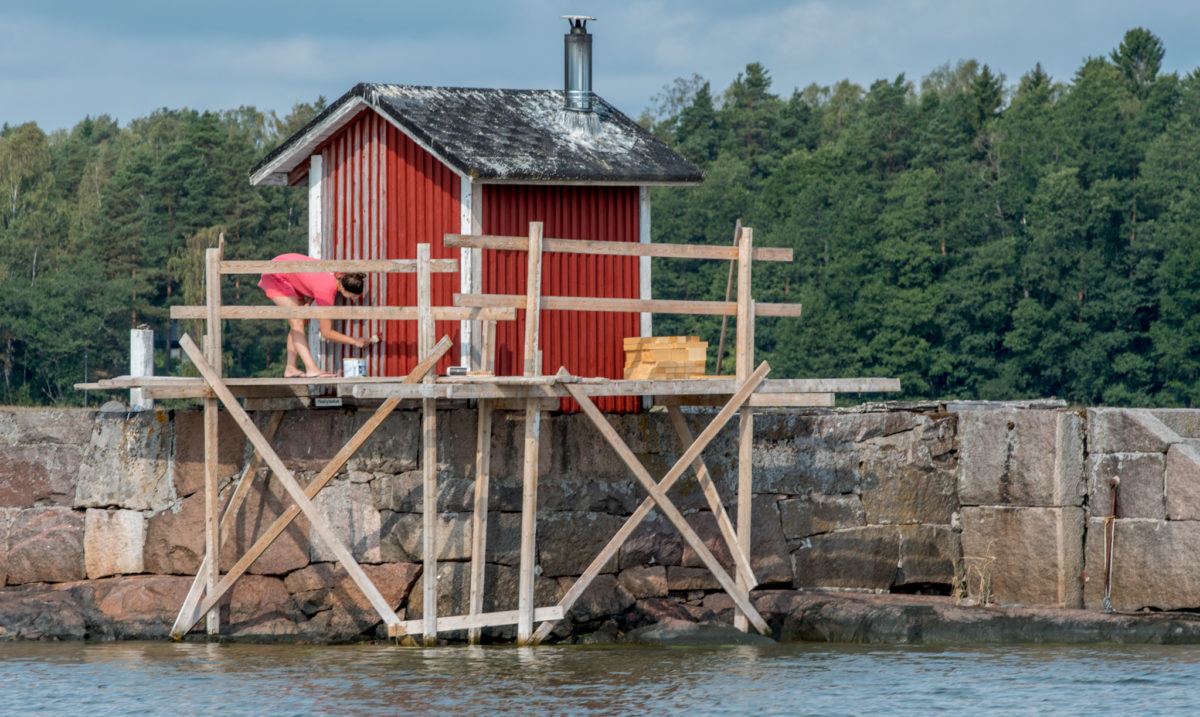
(777, 392)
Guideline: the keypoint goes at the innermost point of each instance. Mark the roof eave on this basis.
(635, 182)
(274, 171)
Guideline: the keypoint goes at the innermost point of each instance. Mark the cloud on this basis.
(67, 58)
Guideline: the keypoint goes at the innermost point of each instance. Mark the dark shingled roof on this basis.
(516, 136)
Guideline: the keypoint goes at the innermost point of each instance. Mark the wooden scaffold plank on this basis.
(483, 470)
(479, 523)
(475, 622)
(745, 359)
(533, 424)
(377, 313)
(613, 248)
(392, 266)
(599, 303)
(212, 499)
(428, 455)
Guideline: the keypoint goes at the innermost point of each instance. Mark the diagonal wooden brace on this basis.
(302, 498)
(658, 496)
(190, 613)
(231, 511)
(740, 559)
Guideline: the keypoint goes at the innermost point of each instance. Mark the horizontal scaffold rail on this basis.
(772, 392)
(619, 248)
(594, 303)
(381, 313)
(385, 266)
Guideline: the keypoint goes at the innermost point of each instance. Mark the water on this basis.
(198, 679)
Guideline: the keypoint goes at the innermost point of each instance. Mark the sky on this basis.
(64, 60)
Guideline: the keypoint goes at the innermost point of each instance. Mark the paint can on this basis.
(354, 367)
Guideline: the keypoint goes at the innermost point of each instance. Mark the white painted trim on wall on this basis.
(466, 269)
(644, 261)
(316, 244)
(647, 320)
(315, 226)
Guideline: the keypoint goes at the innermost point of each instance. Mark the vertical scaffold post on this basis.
(212, 500)
(745, 364)
(425, 330)
(483, 462)
(483, 470)
(533, 419)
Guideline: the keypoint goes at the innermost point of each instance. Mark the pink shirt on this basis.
(321, 287)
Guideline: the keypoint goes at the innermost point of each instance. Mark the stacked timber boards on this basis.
(665, 357)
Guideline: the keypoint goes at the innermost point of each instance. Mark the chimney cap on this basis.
(579, 21)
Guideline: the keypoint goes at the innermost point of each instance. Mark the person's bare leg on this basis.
(297, 343)
(290, 370)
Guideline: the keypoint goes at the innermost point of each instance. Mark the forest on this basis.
(975, 238)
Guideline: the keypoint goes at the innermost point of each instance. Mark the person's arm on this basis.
(329, 334)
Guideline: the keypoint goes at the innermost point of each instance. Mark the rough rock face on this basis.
(6, 520)
(102, 519)
(1002, 563)
(41, 612)
(40, 452)
(127, 463)
(914, 620)
(1153, 564)
(353, 518)
(873, 474)
(265, 502)
(142, 606)
(1022, 487)
(46, 545)
(1142, 528)
(112, 542)
(188, 464)
(175, 538)
(1181, 482)
(1020, 458)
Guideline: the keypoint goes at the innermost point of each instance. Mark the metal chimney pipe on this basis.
(577, 64)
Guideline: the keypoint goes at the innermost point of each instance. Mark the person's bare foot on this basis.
(297, 373)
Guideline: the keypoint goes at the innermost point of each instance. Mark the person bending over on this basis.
(322, 289)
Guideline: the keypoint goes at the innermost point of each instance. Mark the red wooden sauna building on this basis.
(392, 166)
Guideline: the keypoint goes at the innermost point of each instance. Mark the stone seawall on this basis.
(101, 516)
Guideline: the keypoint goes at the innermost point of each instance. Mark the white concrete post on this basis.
(141, 363)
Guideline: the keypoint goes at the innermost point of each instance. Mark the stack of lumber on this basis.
(660, 357)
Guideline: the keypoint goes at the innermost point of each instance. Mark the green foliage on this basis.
(1139, 58)
(973, 240)
(96, 227)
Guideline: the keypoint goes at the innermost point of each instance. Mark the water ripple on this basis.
(198, 679)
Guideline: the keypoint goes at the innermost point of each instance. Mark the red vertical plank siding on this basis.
(384, 194)
(388, 195)
(586, 343)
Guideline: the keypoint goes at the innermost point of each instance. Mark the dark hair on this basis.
(353, 283)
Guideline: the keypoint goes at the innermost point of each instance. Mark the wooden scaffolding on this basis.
(533, 392)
